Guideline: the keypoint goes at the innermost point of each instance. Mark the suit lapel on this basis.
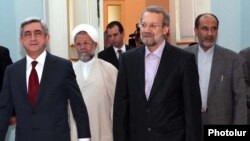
(163, 69)
(140, 69)
(195, 50)
(113, 55)
(46, 76)
(217, 69)
(23, 82)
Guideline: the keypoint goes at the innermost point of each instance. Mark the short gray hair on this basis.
(34, 20)
(158, 10)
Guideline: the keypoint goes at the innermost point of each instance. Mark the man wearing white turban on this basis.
(96, 79)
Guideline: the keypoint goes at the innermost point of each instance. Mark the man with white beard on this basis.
(96, 79)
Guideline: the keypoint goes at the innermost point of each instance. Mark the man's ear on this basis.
(165, 30)
(195, 31)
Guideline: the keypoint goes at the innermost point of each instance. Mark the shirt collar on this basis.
(123, 48)
(209, 51)
(158, 51)
(40, 59)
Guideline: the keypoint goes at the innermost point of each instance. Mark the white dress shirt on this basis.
(123, 48)
(39, 67)
(204, 69)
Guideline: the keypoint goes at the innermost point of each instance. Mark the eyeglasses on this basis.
(36, 34)
(151, 26)
(85, 43)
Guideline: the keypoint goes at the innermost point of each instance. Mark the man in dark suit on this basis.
(44, 116)
(5, 60)
(222, 84)
(157, 94)
(245, 54)
(115, 33)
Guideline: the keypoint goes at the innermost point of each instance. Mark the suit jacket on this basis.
(48, 119)
(109, 55)
(245, 54)
(5, 60)
(172, 111)
(226, 100)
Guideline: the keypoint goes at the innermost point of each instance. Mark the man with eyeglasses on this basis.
(96, 79)
(157, 93)
(223, 90)
(39, 88)
(116, 34)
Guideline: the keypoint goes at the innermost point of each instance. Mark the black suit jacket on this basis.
(5, 60)
(173, 110)
(109, 55)
(48, 119)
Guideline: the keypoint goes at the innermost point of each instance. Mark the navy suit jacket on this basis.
(48, 119)
(173, 110)
(109, 55)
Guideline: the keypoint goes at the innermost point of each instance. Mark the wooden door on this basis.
(113, 10)
(128, 12)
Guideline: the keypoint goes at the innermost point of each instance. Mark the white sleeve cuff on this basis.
(84, 139)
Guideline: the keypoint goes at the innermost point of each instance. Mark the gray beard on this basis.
(149, 42)
(85, 57)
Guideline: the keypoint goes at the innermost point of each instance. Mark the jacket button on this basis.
(149, 129)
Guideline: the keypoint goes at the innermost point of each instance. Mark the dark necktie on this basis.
(119, 53)
(33, 84)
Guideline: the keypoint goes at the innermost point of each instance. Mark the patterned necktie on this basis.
(119, 53)
(33, 84)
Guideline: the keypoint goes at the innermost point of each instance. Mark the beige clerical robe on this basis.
(98, 94)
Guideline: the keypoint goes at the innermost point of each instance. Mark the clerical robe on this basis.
(98, 90)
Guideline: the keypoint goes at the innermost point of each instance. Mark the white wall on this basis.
(61, 25)
(230, 29)
(57, 20)
(182, 17)
(13, 12)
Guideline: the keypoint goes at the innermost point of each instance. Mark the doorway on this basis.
(128, 12)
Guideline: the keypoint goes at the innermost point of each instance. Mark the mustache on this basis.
(209, 37)
(146, 34)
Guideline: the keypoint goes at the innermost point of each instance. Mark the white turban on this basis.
(92, 32)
